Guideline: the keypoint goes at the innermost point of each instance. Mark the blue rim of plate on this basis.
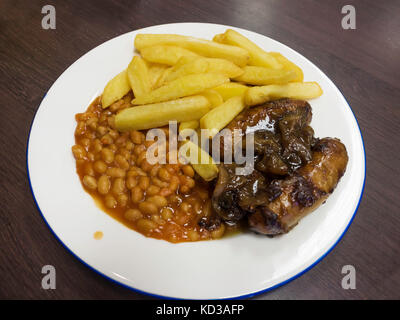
(249, 295)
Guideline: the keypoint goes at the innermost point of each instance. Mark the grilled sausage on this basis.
(282, 135)
(304, 191)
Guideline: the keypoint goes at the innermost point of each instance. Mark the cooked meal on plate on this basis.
(197, 139)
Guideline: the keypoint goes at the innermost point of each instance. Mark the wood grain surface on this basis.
(364, 64)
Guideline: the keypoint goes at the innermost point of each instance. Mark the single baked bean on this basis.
(101, 130)
(157, 219)
(164, 174)
(146, 226)
(103, 119)
(90, 135)
(154, 170)
(148, 208)
(187, 181)
(219, 232)
(84, 116)
(85, 142)
(114, 134)
(80, 128)
(136, 194)
(184, 189)
(97, 146)
(144, 182)
(110, 201)
(100, 166)
(122, 199)
(152, 190)
(120, 141)
(116, 105)
(175, 199)
(165, 192)
(188, 170)
(90, 156)
(159, 183)
(107, 155)
(118, 186)
(111, 121)
(131, 182)
(193, 235)
(122, 162)
(104, 184)
(170, 169)
(129, 145)
(141, 158)
(138, 149)
(132, 160)
(159, 201)
(182, 218)
(137, 137)
(116, 172)
(125, 153)
(79, 152)
(185, 207)
(89, 182)
(146, 166)
(113, 147)
(88, 169)
(107, 139)
(80, 116)
(135, 171)
(133, 214)
(166, 213)
(92, 123)
(174, 184)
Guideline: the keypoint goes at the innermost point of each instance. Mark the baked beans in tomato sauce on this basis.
(163, 201)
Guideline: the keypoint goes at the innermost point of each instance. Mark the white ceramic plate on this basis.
(237, 266)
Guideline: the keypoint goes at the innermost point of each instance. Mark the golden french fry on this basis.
(161, 80)
(165, 54)
(258, 57)
(138, 76)
(289, 65)
(195, 66)
(193, 124)
(200, 160)
(217, 118)
(115, 89)
(231, 89)
(156, 70)
(185, 60)
(202, 47)
(224, 67)
(214, 97)
(159, 114)
(184, 86)
(219, 38)
(204, 65)
(294, 90)
(263, 76)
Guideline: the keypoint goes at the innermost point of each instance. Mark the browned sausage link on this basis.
(304, 191)
(265, 116)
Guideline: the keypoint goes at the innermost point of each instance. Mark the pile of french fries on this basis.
(201, 83)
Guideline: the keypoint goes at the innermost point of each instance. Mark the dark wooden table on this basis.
(364, 63)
